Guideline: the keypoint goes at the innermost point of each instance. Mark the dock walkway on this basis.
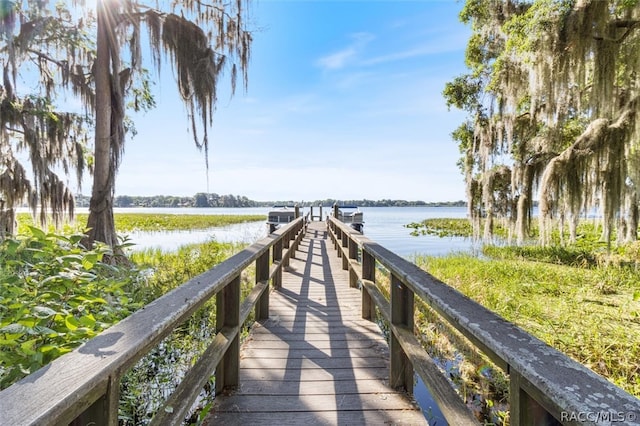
(315, 360)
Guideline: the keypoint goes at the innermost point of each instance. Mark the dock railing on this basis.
(82, 387)
(546, 386)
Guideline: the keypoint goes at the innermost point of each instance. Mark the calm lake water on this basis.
(385, 225)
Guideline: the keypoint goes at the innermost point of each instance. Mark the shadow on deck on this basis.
(315, 360)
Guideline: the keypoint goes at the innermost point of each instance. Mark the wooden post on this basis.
(353, 255)
(320, 212)
(369, 274)
(286, 243)
(400, 369)
(296, 211)
(104, 411)
(301, 227)
(345, 244)
(335, 210)
(228, 314)
(262, 274)
(277, 257)
(523, 409)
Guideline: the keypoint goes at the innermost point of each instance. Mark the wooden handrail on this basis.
(545, 384)
(83, 386)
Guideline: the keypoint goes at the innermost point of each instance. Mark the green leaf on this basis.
(38, 233)
(89, 260)
(28, 347)
(71, 322)
(46, 331)
(43, 312)
(636, 295)
(14, 329)
(88, 321)
(47, 348)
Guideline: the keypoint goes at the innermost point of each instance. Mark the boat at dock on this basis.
(351, 215)
(279, 215)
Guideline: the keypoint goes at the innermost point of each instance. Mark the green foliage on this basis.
(463, 93)
(167, 270)
(551, 254)
(590, 314)
(145, 386)
(442, 228)
(127, 222)
(54, 296)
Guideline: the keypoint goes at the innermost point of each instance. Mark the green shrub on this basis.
(54, 296)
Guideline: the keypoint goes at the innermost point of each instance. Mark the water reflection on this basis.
(172, 240)
(384, 225)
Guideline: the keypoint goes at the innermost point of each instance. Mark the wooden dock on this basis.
(314, 357)
(315, 360)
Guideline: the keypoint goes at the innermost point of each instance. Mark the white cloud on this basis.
(431, 48)
(343, 57)
(336, 60)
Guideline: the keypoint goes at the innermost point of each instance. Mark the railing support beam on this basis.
(228, 314)
(353, 255)
(277, 257)
(524, 410)
(104, 411)
(400, 368)
(262, 274)
(368, 273)
(345, 244)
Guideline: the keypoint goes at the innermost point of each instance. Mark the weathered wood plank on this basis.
(314, 374)
(391, 417)
(319, 337)
(319, 344)
(174, 409)
(317, 353)
(314, 387)
(322, 363)
(282, 403)
(308, 327)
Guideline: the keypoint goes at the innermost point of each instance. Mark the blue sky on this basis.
(344, 101)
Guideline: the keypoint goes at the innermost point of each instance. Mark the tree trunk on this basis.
(573, 227)
(7, 222)
(100, 223)
(523, 212)
(632, 225)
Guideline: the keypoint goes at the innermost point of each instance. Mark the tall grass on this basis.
(127, 222)
(590, 314)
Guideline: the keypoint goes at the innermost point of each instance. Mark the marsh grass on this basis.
(590, 314)
(582, 298)
(128, 222)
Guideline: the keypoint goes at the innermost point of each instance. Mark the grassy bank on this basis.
(580, 299)
(128, 222)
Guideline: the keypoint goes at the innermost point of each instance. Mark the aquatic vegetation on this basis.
(127, 222)
(590, 314)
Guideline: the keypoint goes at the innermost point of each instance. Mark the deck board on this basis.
(315, 360)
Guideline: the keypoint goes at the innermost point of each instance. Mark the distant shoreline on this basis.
(237, 201)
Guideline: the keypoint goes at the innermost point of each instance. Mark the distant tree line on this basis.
(202, 199)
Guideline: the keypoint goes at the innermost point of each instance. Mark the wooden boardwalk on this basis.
(315, 360)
